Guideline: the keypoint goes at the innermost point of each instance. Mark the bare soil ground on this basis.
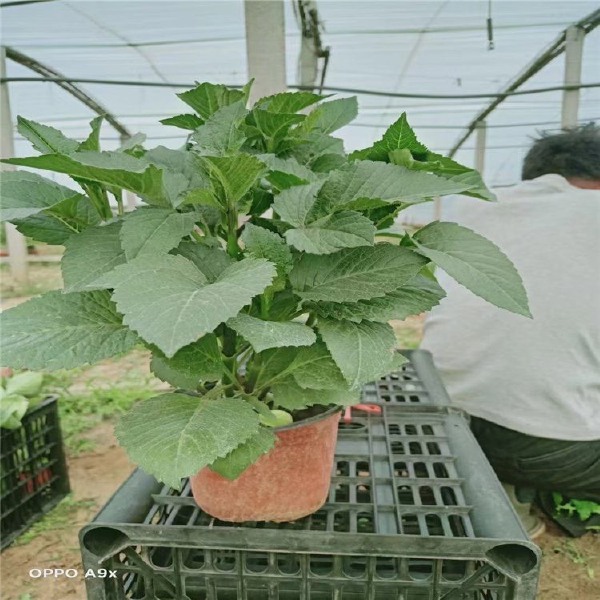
(570, 568)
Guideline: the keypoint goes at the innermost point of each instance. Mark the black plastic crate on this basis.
(414, 513)
(416, 386)
(34, 476)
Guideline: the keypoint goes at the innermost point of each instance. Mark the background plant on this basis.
(255, 272)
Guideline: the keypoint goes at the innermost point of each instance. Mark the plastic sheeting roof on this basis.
(424, 47)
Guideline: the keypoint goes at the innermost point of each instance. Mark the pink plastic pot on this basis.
(289, 482)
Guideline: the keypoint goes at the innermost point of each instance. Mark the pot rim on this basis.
(325, 414)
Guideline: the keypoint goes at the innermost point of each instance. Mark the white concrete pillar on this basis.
(573, 57)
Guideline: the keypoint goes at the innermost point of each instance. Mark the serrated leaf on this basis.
(92, 142)
(45, 139)
(263, 334)
(233, 176)
(172, 436)
(207, 98)
(89, 255)
(332, 115)
(310, 147)
(63, 331)
(368, 180)
(362, 351)
(220, 135)
(262, 243)
(476, 263)
(355, 274)
(184, 306)
(238, 460)
(288, 102)
(417, 296)
(24, 194)
(275, 125)
(328, 162)
(286, 172)
(12, 409)
(114, 169)
(154, 230)
(195, 363)
(187, 121)
(25, 384)
(290, 396)
(57, 224)
(211, 261)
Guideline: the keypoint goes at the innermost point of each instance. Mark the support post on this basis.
(480, 143)
(17, 248)
(265, 47)
(573, 55)
(308, 62)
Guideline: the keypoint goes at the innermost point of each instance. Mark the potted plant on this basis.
(259, 272)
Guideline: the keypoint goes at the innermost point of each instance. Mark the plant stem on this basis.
(232, 224)
(311, 319)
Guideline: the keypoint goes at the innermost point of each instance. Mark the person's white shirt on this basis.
(538, 376)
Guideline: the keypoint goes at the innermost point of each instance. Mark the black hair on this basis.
(572, 153)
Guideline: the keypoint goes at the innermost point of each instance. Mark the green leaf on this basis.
(328, 162)
(417, 296)
(25, 384)
(12, 409)
(207, 98)
(262, 243)
(332, 115)
(290, 396)
(288, 102)
(368, 180)
(44, 139)
(355, 274)
(92, 142)
(89, 255)
(25, 194)
(220, 135)
(184, 306)
(271, 334)
(187, 121)
(275, 125)
(474, 262)
(211, 261)
(362, 351)
(398, 136)
(114, 169)
(286, 172)
(154, 230)
(195, 363)
(174, 435)
(57, 224)
(309, 148)
(238, 460)
(233, 176)
(63, 331)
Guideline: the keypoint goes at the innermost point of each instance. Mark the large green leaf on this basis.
(57, 224)
(233, 176)
(290, 396)
(195, 363)
(271, 334)
(89, 255)
(474, 262)
(154, 230)
(238, 460)
(24, 194)
(44, 139)
(262, 243)
(63, 331)
(362, 351)
(212, 261)
(356, 273)
(309, 148)
(12, 409)
(172, 436)
(332, 115)
(114, 169)
(286, 172)
(275, 125)
(190, 122)
(92, 142)
(207, 98)
(417, 296)
(221, 135)
(367, 180)
(288, 102)
(183, 306)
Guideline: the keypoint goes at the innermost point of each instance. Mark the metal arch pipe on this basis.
(556, 48)
(68, 86)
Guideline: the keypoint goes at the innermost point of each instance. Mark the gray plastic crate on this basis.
(416, 386)
(414, 513)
